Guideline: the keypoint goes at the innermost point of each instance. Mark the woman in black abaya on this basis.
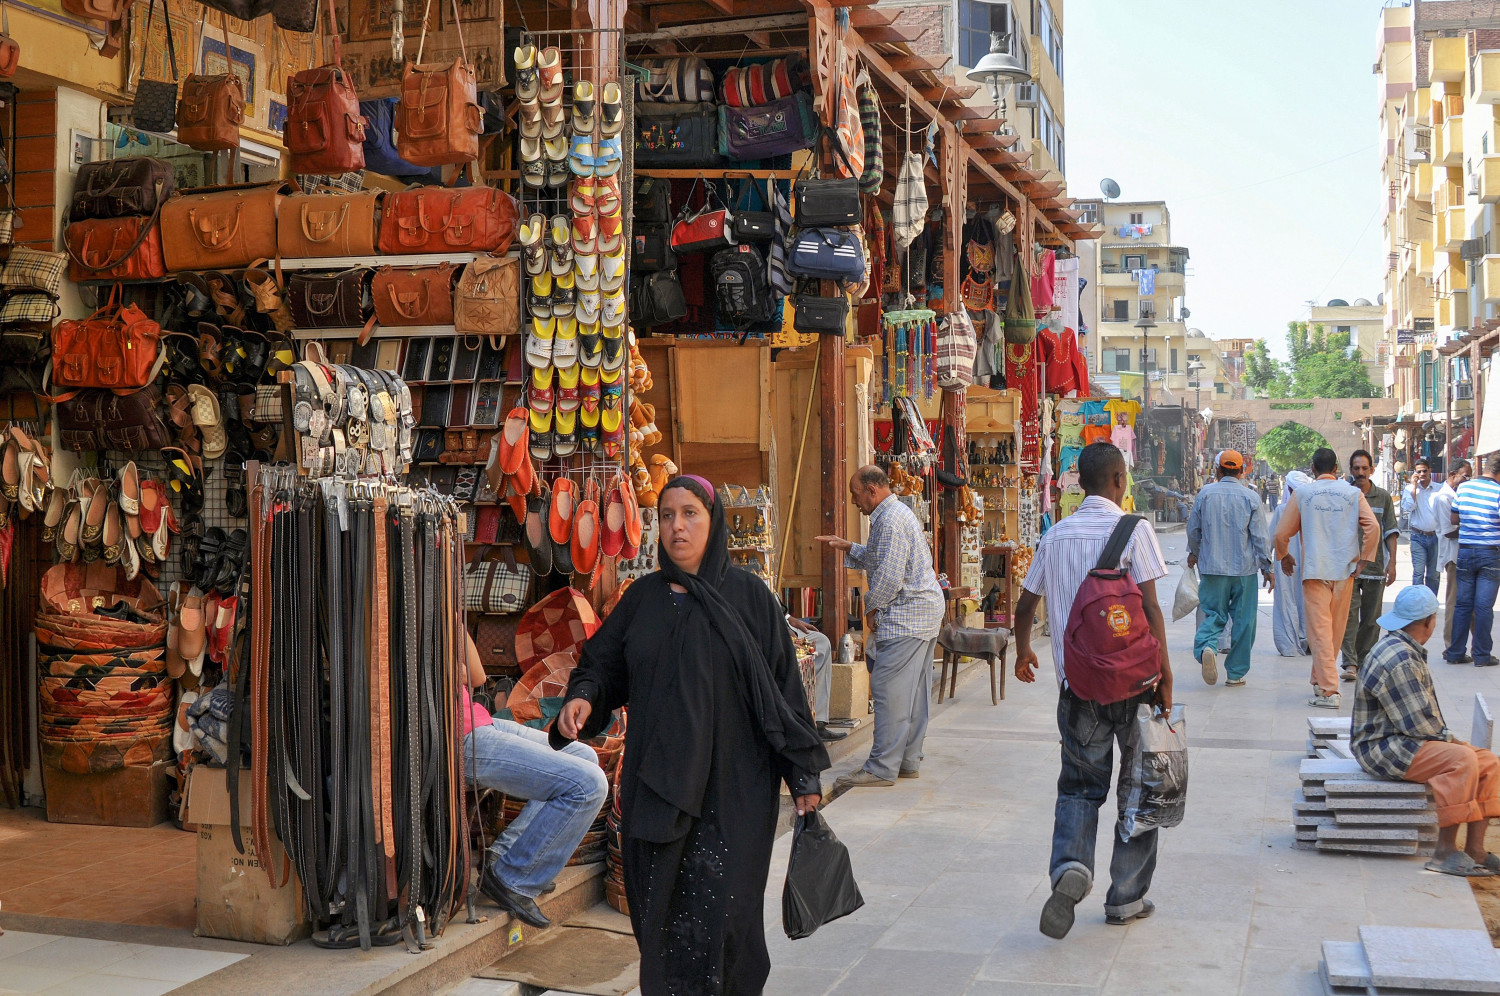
(701, 652)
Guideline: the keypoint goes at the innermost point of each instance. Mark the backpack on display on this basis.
(658, 299)
(653, 201)
(1110, 653)
(741, 295)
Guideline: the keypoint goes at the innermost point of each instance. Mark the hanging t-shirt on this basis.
(1091, 410)
(1068, 502)
(1123, 436)
(1096, 434)
(1069, 480)
(1070, 429)
(1117, 407)
(1067, 459)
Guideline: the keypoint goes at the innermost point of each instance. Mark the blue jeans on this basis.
(1088, 733)
(1223, 598)
(1478, 583)
(1424, 560)
(565, 789)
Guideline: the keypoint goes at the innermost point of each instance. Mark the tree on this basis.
(1322, 366)
(1261, 368)
(1288, 446)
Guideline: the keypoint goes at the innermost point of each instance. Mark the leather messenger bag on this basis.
(322, 225)
(222, 228)
(444, 219)
(330, 300)
(438, 118)
(116, 347)
(117, 188)
(419, 295)
(487, 300)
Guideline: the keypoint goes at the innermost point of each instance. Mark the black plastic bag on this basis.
(820, 884)
(1153, 787)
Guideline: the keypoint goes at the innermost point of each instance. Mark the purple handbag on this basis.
(766, 130)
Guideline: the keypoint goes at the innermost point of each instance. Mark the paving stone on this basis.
(1483, 733)
(1314, 791)
(1369, 834)
(1431, 958)
(1344, 963)
(1341, 748)
(1311, 808)
(1352, 787)
(1312, 769)
(1391, 803)
(1333, 989)
(1330, 724)
(1346, 818)
(1341, 845)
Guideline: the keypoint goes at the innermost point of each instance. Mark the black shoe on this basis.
(1147, 908)
(523, 907)
(1465, 659)
(829, 735)
(1057, 913)
(841, 723)
(1487, 662)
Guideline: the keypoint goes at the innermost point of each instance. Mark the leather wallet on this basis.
(441, 367)
(436, 402)
(515, 366)
(414, 370)
(443, 479)
(429, 446)
(487, 405)
(491, 361)
(462, 409)
(466, 358)
(487, 523)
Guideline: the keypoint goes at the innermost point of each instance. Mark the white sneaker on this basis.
(1321, 701)
(1210, 662)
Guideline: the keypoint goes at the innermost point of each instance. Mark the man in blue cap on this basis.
(1398, 733)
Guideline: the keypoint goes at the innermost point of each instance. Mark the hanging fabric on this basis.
(869, 116)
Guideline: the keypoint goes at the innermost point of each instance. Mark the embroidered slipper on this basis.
(535, 535)
(634, 527)
(176, 666)
(192, 630)
(130, 498)
(560, 516)
(512, 443)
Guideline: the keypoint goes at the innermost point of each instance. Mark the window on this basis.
(1174, 361)
(975, 22)
(1045, 28)
(1148, 309)
(1122, 310)
(1135, 262)
(1047, 128)
(1193, 358)
(1115, 360)
(1137, 218)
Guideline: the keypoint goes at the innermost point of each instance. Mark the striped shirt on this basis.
(903, 589)
(1070, 549)
(1478, 508)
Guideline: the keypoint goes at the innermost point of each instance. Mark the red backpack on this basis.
(1109, 653)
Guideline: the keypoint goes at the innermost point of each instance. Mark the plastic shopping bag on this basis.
(1186, 599)
(820, 884)
(1154, 795)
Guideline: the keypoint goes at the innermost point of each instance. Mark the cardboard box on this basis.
(849, 698)
(235, 897)
(134, 796)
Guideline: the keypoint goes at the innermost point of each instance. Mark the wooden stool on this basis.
(962, 641)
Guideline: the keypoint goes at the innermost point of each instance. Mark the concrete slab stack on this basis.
(1324, 732)
(1342, 808)
(1386, 961)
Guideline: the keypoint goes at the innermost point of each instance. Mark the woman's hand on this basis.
(575, 712)
(807, 803)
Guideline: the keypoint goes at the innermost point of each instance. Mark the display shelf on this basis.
(380, 332)
(346, 262)
(717, 173)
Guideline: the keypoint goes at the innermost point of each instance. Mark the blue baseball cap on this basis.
(1413, 603)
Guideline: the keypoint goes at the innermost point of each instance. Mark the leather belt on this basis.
(380, 680)
(1424, 532)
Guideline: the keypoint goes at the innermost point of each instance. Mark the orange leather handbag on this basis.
(443, 219)
(212, 108)
(438, 119)
(328, 224)
(116, 348)
(420, 295)
(218, 228)
(115, 249)
(325, 132)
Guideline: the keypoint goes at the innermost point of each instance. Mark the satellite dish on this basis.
(1380, 298)
(1109, 188)
(1186, 314)
(1338, 302)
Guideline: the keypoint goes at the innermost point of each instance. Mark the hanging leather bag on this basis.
(323, 224)
(118, 188)
(297, 15)
(497, 587)
(155, 107)
(221, 228)
(752, 222)
(444, 219)
(103, 420)
(212, 108)
(828, 203)
(115, 249)
(418, 295)
(325, 131)
(330, 300)
(487, 300)
(658, 299)
(116, 347)
(10, 49)
(439, 120)
(820, 315)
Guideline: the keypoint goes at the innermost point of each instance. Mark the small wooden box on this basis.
(134, 796)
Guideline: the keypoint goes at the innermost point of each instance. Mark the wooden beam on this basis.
(869, 17)
(919, 64)
(726, 7)
(699, 13)
(887, 35)
(830, 388)
(792, 22)
(948, 94)
(988, 124)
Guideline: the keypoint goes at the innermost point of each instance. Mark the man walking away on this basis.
(1448, 543)
(1063, 559)
(1288, 623)
(907, 605)
(1228, 544)
(1476, 511)
(1339, 534)
(1398, 731)
(1361, 631)
(1419, 500)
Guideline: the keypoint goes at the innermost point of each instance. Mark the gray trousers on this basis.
(822, 674)
(1450, 599)
(901, 684)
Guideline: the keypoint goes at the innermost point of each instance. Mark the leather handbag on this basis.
(495, 639)
(828, 203)
(155, 107)
(212, 108)
(104, 420)
(330, 300)
(704, 230)
(439, 120)
(658, 299)
(222, 228)
(318, 225)
(487, 300)
(114, 249)
(444, 220)
(676, 135)
(419, 295)
(776, 129)
(31, 269)
(28, 312)
(116, 347)
(827, 254)
(820, 315)
(117, 188)
(497, 587)
(325, 132)
(10, 49)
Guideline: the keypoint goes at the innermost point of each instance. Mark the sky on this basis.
(1257, 125)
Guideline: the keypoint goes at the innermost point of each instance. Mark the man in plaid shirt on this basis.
(1398, 733)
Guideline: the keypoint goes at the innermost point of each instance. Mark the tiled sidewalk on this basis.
(954, 866)
(80, 966)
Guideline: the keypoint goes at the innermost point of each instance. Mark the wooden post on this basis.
(835, 482)
(947, 544)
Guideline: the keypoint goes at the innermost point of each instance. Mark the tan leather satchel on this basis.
(218, 228)
(438, 119)
(418, 295)
(329, 224)
(212, 108)
(487, 300)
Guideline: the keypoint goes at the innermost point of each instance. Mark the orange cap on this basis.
(1231, 460)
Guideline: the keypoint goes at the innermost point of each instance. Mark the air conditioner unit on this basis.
(1471, 249)
(1026, 95)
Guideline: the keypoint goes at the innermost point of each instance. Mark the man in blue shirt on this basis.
(1476, 510)
(906, 603)
(1227, 536)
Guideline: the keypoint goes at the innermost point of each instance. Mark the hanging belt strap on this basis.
(380, 684)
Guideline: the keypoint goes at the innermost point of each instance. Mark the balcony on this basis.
(1448, 229)
(1489, 267)
(1486, 84)
(1420, 182)
(1448, 142)
(1488, 170)
(1446, 58)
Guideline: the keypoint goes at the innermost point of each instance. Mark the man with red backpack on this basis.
(1097, 569)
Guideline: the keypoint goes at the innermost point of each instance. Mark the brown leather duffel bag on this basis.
(419, 295)
(438, 118)
(333, 300)
(328, 224)
(114, 249)
(117, 188)
(444, 219)
(487, 300)
(221, 228)
(115, 347)
(104, 420)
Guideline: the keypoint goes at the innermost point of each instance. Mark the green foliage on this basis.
(1288, 446)
(1261, 368)
(1320, 367)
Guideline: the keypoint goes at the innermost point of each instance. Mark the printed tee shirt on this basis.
(1478, 508)
(1116, 408)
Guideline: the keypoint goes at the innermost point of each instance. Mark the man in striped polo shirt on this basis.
(1476, 511)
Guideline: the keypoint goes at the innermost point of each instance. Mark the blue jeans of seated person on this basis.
(565, 790)
(1478, 583)
(1424, 560)
(1089, 731)
(1223, 598)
